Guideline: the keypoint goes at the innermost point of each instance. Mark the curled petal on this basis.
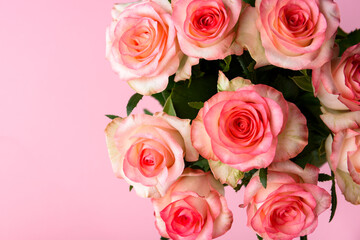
(294, 137)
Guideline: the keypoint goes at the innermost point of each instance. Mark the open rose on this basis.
(289, 34)
(337, 83)
(148, 151)
(142, 46)
(206, 29)
(193, 208)
(290, 204)
(249, 128)
(343, 153)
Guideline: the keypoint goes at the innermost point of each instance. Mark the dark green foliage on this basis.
(225, 64)
(196, 105)
(324, 177)
(251, 2)
(202, 164)
(111, 116)
(132, 103)
(263, 176)
(345, 42)
(148, 112)
(169, 107)
(333, 197)
(246, 179)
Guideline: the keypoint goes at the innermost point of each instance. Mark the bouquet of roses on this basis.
(255, 94)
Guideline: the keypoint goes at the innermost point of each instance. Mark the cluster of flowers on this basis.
(241, 128)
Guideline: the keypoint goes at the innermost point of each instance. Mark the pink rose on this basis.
(249, 128)
(148, 151)
(193, 208)
(343, 153)
(142, 46)
(336, 83)
(206, 29)
(290, 34)
(290, 204)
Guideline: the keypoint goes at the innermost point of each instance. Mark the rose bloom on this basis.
(289, 34)
(249, 128)
(207, 29)
(343, 153)
(290, 204)
(193, 208)
(337, 83)
(142, 46)
(148, 151)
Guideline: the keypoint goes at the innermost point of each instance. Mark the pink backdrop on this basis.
(56, 180)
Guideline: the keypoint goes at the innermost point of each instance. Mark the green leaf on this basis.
(322, 152)
(251, 66)
(164, 238)
(324, 177)
(351, 39)
(246, 179)
(303, 237)
(314, 152)
(244, 63)
(131, 187)
(196, 105)
(303, 82)
(111, 116)
(202, 164)
(341, 33)
(263, 176)
(132, 103)
(304, 72)
(251, 2)
(333, 197)
(225, 64)
(160, 98)
(169, 107)
(200, 90)
(148, 112)
(258, 237)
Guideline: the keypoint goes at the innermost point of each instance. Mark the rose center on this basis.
(283, 215)
(241, 124)
(183, 219)
(185, 222)
(295, 19)
(136, 39)
(150, 162)
(205, 22)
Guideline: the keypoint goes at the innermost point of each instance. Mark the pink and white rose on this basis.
(289, 206)
(207, 29)
(289, 34)
(343, 153)
(142, 45)
(148, 151)
(193, 208)
(337, 83)
(249, 128)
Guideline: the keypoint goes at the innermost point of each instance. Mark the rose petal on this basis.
(294, 137)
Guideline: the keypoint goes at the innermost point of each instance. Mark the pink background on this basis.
(56, 180)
